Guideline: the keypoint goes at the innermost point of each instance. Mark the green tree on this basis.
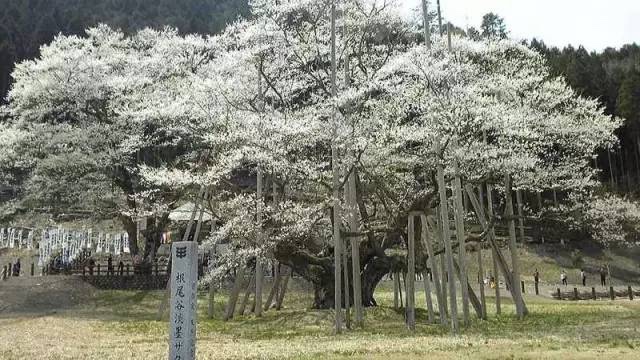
(628, 104)
(493, 26)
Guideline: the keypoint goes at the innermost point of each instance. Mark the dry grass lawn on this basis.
(121, 325)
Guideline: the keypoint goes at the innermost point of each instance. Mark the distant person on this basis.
(492, 282)
(110, 265)
(92, 263)
(16, 268)
(603, 276)
(583, 276)
(121, 268)
(563, 278)
(536, 276)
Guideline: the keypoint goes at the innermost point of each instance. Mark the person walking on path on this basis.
(603, 276)
(536, 276)
(563, 278)
(583, 277)
(110, 265)
(16, 268)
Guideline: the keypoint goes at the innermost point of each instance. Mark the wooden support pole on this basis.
(520, 205)
(483, 300)
(400, 290)
(472, 295)
(425, 22)
(431, 317)
(460, 237)
(630, 293)
(396, 289)
(274, 288)
(247, 293)
(345, 260)
(283, 289)
(259, 273)
(515, 258)
(593, 293)
(559, 294)
(212, 292)
(444, 277)
(433, 265)
(612, 294)
(500, 263)
(411, 274)
(537, 289)
(235, 292)
(440, 19)
(354, 225)
(337, 211)
(494, 251)
(446, 237)
(575, 294)
(345, 282)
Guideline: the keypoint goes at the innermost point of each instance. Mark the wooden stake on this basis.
(520, 214)
(283, 290)
(494, 252)
(462, 254)
(235, 292)
(396, 290)
(500, 261)
(345, 273)
(411, 274)
(427, 295)
(247, 293)
(211, 301)
(274, 289)
(345, 260)
(259, 274)
(439, 18)
(425, 21)
(446, 237)
(432, 264)
(515, 259)
(354, 225)
(483, 301)
(337, 212)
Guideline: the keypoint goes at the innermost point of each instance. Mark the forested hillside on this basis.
(613, 77)
(25, 25)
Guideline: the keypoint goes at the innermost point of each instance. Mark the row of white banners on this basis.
(64, 243)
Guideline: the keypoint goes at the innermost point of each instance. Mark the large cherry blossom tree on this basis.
(157, 115)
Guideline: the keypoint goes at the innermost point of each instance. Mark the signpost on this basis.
(184, 282)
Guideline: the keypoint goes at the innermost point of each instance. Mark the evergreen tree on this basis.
(493, 26)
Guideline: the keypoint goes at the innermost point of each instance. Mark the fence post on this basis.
(575, 293)
(630, 293)
(537, 290)
(4, 272)
(84, 270)
(559, 295)
(98, 268)
(522, 283)
(156, 266)
(612, 294)
(127, 269)
(33, 269)
(9, 270)
(593, 293)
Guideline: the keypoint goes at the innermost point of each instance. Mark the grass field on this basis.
(122, 325)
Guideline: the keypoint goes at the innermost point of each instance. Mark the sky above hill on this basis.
(596, 24)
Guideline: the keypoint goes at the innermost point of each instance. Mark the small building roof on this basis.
(183, 213)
